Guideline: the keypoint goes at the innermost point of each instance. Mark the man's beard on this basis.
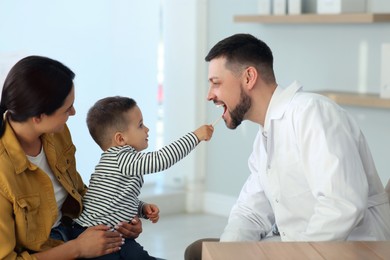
(238, 113)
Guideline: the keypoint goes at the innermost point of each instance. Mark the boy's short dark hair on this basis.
(106, 116)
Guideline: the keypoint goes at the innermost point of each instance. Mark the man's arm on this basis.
(329, 144)
(251, 218)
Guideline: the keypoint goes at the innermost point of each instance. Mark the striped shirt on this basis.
(112, 195)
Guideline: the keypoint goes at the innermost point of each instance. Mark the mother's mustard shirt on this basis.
(28, 207)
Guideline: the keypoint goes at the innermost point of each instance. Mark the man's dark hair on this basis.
(243, 50)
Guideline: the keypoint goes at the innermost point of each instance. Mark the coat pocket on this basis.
(28, 220)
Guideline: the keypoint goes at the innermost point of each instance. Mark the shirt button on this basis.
(283, 234)
(73, 191)
(58, 177)
(276, 200)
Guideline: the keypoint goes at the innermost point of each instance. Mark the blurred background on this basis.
(153, 51)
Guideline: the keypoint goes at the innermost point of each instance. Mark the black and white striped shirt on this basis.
(114, 187)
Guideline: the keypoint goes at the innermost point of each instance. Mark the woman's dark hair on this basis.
(35, 85)
(107, 115)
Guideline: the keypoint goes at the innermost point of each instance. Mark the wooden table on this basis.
(357, 250)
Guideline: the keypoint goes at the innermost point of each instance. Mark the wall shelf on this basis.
(357, 99)
(314, 18)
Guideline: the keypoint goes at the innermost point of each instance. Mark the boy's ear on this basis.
(118, 138)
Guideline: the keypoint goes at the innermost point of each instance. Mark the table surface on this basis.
(356, 250)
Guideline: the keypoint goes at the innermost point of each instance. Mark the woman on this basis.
(40, 189)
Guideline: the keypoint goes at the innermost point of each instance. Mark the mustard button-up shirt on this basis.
(28, 207)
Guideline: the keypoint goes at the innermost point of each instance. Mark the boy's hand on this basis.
(151, 211)
(204, 133)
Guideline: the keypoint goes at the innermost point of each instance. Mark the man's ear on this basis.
(250, 77)
(118, 138)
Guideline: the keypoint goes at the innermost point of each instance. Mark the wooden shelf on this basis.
(314, 18)
(357, 99)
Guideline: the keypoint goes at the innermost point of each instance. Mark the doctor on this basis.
(312, 173)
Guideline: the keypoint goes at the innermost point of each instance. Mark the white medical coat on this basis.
(312, 174)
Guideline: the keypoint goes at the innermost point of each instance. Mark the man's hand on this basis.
(130, 230)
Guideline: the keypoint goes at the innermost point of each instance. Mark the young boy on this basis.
(116, 125)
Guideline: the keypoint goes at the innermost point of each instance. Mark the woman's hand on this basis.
(130, 230)
(98, 240)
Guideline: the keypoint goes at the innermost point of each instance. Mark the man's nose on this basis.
(210, 95)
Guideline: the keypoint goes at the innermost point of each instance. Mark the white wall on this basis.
(184, 91)
(110, 45)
